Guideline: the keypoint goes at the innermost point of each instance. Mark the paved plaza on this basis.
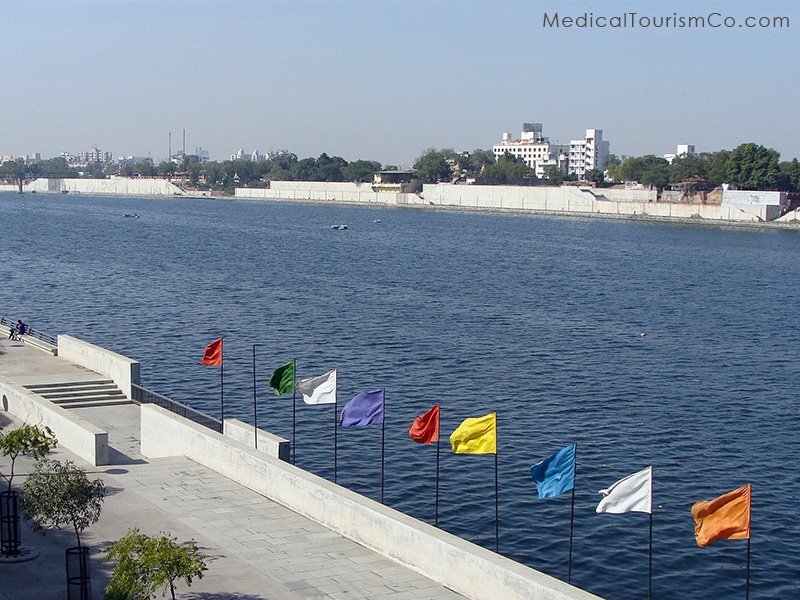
(254, 547)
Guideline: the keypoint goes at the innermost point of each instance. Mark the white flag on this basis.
(633, 493)
(320, 389)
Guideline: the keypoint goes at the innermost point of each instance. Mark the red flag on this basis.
(425, 428)
(212, 357)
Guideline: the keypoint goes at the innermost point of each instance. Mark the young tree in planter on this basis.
(147, 564)
(27, 440)
(57, 494)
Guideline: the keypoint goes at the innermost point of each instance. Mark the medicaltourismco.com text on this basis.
(633, 20)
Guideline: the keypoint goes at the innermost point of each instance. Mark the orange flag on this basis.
(425, 428)
(723, 518)
(212, 357)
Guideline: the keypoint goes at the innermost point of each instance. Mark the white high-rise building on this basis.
(536, 150)
(682, 151)
(589, 153)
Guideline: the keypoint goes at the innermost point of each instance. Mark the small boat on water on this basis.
(130, 216)
(339, 226)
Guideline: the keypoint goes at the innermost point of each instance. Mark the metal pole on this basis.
(747, 580)
(383, 441)
(222, 386)
(335, 430)
(650, 579)
(294, 411)
(255, 412)
(572, 514)
(571, 521)
(436, 520)
(496, 508)
(650, 576)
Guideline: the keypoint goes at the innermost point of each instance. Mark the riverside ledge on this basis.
(430, 563)
(566, 201)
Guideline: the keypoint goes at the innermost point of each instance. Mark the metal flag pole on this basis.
(650, 576)
(747, 580)
(335, 429)
(749, 534)
(383, 442)
(222, 385)
(436, 520)
(496, 496)
(255, 412)
(572, 514)
(496, 508)
(294, 411)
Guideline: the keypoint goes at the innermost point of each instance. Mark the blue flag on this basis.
(363, 410)
(555, 475)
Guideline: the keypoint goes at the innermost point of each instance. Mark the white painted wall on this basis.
(73, 433)
(269, 443)
(123, 370)
(127, 186)
(466, 568)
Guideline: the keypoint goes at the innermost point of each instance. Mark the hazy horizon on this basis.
(386, 80)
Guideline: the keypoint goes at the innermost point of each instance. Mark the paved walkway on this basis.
(255, 548)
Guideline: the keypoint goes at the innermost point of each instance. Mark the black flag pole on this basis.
(222, 385)
(650, 576)
(436, 518)
(747, 579)
(572, 514)
(749, 534)
(294, 411)
(383, 442)
(335, 429)
(255, 411)
(496, 496)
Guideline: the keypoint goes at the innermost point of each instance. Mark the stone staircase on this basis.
(81, 394)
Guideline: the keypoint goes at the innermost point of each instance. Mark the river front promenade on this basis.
(254, 548)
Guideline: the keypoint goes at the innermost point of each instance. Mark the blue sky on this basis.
(386, 80)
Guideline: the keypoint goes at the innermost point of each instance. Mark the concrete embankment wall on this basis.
(123, 186)
(575, 200)
(78, 436)
(464, 567)
(334, 192)
(567, 200)
(121, 369)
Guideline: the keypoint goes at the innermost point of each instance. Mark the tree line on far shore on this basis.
(749, 166)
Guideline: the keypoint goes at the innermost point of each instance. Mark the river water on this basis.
(535, 318)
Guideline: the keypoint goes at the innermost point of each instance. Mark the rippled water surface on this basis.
(534, 318)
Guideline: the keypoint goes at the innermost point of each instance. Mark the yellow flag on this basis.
(477, 435)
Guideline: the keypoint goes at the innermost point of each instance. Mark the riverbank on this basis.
(564, 201)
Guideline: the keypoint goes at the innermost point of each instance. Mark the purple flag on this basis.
(363, 410)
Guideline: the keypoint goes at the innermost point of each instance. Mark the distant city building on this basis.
(589, 153)
(535, 149)
(254, 156)
(34, 157)
(95, 155)
(682, 151)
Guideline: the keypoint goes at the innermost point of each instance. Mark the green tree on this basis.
(147, 564)
(791, 171)
(753, 167)
(508, 169)
(433, 166)
(360, 170)
(554, 174)
(595, 176)
(57, 494)
(687, 168)
(656, 174)
(28, 440)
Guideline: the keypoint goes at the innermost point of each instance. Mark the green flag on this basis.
(282, 380)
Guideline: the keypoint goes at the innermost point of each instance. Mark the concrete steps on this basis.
(81, 394)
